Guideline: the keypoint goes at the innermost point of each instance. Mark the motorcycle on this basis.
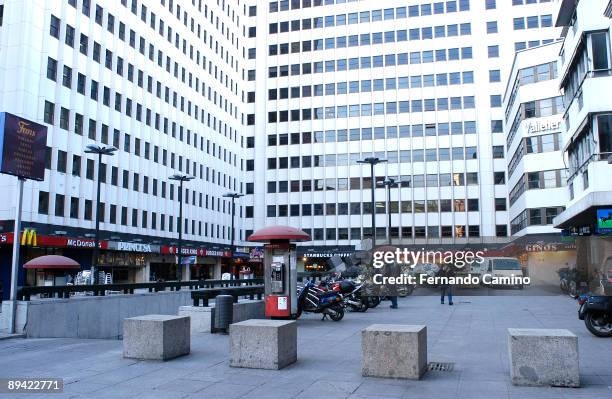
(596, 311)
(312, 299)
(567, 281)
(351, 292)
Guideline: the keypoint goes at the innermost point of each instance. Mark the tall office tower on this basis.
(416, 83)
(160, 80)
(586, 83)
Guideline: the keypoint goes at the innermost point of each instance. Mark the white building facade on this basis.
(586, 81)
(159, 80)
(537, 175)
(273, 99)
(419, 84)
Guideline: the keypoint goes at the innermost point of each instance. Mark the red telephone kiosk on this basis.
(280, 268)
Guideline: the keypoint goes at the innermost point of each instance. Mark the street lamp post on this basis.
(372, 161)
(99, 151)
(180, 179)
(233, 196)
(389, 182)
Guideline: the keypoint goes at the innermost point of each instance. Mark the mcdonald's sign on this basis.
(28, 237)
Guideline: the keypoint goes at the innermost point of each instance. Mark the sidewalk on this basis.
(472, 335)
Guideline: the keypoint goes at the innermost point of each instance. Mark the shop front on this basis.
(249, 262)
(33, 245)
(323, 259)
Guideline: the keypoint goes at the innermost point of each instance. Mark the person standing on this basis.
(447, 288)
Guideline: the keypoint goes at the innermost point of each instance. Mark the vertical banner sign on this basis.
(22, 147)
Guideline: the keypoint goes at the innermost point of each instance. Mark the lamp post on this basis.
(99, 151)
(233, 196)
(180, 179)
(389, 182)
(372, 161)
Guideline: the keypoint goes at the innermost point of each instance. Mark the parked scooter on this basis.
(596, 311)
(312, 299)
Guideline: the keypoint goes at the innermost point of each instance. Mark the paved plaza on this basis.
(472, 335)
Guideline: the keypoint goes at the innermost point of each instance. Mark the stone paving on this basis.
(472, 334)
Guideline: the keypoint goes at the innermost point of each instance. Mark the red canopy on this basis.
(52, 262)
(279, 233)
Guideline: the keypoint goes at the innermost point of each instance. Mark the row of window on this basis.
(224, 55)
(440, 7)
(377, 61)
(367, 85)
(141, 182)
(518, 46)
(185, 76)
(114, 217)
(358, 183)
(529, 75)
(379, 132)
(130, 109)
(365, 208)
(64, 123)
(534, 217)
(419, 232)
(388, 108)
(538, 180)
(522, 2)
(534, 145)
(402, 156)
(533, 22)
(366, 39)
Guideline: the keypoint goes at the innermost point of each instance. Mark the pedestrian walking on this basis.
(447, 288)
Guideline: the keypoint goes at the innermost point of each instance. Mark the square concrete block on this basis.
(201, 317)
(543, 357)
(156, 337)
(263, 344)
(394, 351)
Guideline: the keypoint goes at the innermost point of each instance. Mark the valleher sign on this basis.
(22, 147)
(545, 126)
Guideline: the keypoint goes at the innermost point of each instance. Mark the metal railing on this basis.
(203, 296)
(64, 291)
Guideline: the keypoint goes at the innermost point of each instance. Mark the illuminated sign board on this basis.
(22, 147)
(604, 221)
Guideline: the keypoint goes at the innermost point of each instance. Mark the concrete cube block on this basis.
(201, 317)
(156, 337)
(543, 357)
(263, 344)
(394, 351)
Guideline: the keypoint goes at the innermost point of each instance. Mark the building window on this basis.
(51, 69)
(49, 116)
(599, 51)
(43, 202)
(492, 27)
(498, 152)
(88, 209)
(74, 207)
(59, 205)
(501, 230)
(493, 51)
(54, 27)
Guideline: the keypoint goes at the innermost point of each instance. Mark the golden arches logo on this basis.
(28, 237)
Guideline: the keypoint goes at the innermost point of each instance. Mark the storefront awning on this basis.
(52, 262)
